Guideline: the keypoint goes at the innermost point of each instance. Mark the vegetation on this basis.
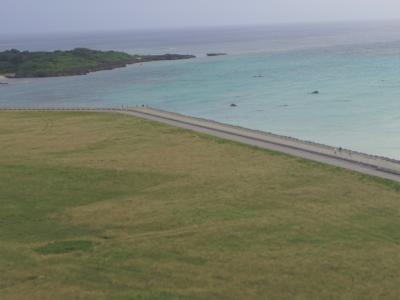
(216, 54)
(14, 63)
(103, 206)
(65, 247)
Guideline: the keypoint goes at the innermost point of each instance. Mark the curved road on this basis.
(359, 162)
(218, 130)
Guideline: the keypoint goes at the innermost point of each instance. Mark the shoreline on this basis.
(352, 160)
(379, 162)
(79, 61)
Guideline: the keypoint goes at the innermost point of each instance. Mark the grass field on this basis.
(103, 206)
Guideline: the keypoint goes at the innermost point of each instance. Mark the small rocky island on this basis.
(216, 54)
(80, 61)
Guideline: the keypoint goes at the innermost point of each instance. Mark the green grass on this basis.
(65, 247)
(103, 206)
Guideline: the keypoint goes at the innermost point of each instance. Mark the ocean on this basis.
(270, 73)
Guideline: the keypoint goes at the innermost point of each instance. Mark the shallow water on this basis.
(268, 77)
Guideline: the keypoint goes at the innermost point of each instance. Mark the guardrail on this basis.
(58, 109)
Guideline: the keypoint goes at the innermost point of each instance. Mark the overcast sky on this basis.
(25, 16)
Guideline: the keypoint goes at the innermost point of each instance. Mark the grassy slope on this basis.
(111, 207)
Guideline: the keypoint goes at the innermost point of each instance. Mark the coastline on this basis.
(285, 144)
(79, 61)
(373, 165)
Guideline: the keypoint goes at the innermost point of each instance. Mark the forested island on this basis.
(80, 61)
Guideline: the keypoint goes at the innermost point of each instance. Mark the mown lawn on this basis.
(103, 206)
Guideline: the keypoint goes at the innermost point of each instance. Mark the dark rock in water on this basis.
(258, 76)
(233, 105)
(315, 93)
(216, 54)
(284, 105)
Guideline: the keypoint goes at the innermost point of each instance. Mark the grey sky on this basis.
(24, 16)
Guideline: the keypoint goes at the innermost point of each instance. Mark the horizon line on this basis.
(199, 27)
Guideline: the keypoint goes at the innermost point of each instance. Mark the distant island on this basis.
(80, 61)
(216, 54)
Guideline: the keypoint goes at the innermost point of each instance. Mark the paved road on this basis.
(213, 130)
(310, 151)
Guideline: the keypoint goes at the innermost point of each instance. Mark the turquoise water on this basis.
(358, 106)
